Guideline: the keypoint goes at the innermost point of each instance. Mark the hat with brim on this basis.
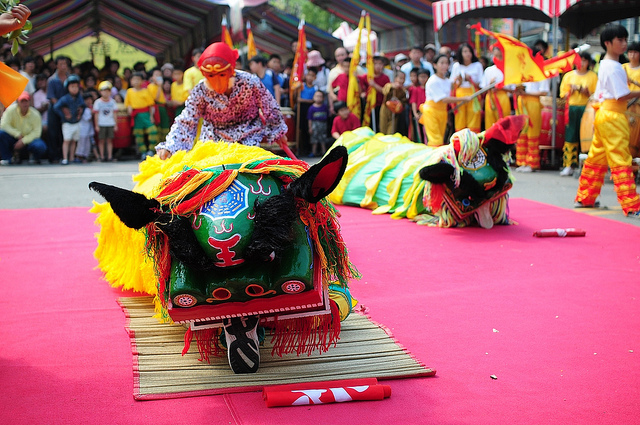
(314, 58)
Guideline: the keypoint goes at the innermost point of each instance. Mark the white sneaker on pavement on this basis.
(566, 171)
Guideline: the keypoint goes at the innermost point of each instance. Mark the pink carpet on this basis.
(557, 321)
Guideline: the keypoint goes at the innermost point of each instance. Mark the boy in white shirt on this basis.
(610, 146)
(105, 122)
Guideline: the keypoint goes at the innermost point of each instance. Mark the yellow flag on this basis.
(518, 65)
(251, 44)
(353, 91)
(226, 35)
(370, 102)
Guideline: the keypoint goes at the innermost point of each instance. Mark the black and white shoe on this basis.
(242, 343)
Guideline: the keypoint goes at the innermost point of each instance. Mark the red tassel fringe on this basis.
(306, 334)
(207, 340)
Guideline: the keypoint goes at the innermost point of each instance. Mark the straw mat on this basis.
(365, 350)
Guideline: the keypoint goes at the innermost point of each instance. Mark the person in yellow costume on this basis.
(438, 95)
(528, 146)
(610, 146)
(141, 107)
(577, 85)
(163, 123)
(632, 68)
(466, 76)
(193, 75)
(497, 104)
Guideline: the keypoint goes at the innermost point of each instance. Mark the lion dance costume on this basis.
(455, 185)
(227, 237)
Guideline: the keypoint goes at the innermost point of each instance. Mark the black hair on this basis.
(422, 71)
(339, 105)
(28, 59)
(138, 74)
(87, 95)
(414, 70)
(41, 77)
(543, 43)
(313, 69)
(61, 58)
(474, 58)
(275, 56)
(196, 51)
(289, 64)
(635, 46)
(610, 32)
(259, 59)
(441, 55)
(416, 47)
(13, 61)
(586, 56)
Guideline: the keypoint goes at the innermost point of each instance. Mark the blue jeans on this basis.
(37, 147)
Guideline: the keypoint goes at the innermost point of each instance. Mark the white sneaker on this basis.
(566, 171)
(524, 169)
(64, 162)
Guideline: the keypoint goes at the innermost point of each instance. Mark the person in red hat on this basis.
(21, 128)
(234, 106)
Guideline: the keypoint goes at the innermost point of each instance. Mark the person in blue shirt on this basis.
(70, 108)
(55, 91)
(258, 66)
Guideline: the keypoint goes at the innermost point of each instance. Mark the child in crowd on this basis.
(345, 121)
(258, 67)
(576, 86)
(610, 145)
(161, 115)
(378, 82)
(179, 94)
(40, 101)
(438, 95)
(85, 142)
(105, 123)
(141, 107)
(70, 108)
(417, 97)
(318, 115)
(304, 101)
(393, 103)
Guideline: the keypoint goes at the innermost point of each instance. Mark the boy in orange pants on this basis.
(610, 144)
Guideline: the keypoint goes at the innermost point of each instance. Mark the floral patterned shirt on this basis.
(233, 118)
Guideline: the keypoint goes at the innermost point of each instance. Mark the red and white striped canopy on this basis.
(542, 10)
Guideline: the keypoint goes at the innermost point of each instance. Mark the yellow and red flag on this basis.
(370, 102)
(226, 35)
(251, 44)
(520, 66)
(297, 73)
(353, 91)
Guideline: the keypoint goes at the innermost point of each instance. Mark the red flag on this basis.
(297, 73)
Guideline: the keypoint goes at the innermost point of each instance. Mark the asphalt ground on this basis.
(27, 186)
